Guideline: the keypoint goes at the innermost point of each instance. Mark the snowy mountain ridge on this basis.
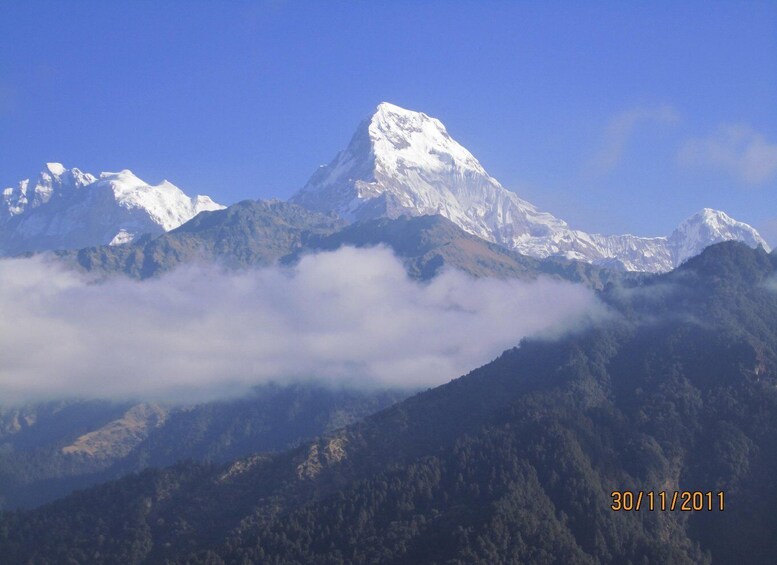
(401, 162)
(69, 209)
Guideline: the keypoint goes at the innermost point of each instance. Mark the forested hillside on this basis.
(49, 449)
(515, 462)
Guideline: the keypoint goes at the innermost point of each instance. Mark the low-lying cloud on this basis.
(347, 317)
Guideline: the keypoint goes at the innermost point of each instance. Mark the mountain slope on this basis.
(402, 162)
(250, 234)
(49, 449)
(514, 462)
(245, 234)
(69, 209)
(428, 244)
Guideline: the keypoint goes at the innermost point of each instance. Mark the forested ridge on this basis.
(36, 467)
(675, 388)
(263, 233)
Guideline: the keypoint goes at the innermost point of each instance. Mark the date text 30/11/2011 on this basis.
(683, 500)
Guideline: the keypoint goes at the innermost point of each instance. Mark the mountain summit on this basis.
(69, 209)
(401, 162)
(405, 163)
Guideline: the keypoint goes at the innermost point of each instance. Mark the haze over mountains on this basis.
(399, 162)
(48, 449)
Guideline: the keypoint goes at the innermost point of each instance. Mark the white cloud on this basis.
(736, 149)
(620, 130)
(351, 316)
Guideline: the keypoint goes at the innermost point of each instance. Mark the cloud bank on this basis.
(348, 317)
(737, 149)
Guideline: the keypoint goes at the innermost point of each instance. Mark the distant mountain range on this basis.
(403, 162)
(399, 163)
(69, 209)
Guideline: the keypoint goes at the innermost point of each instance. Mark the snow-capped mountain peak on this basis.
(53, 179)
(56, 169)
(707, 227)
(165, 203)
(67, 208)
(404, 138)
(402, 162)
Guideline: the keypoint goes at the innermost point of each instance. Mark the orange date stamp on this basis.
(682, 500)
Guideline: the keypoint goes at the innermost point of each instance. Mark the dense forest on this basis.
(43, 456)
(674, 389)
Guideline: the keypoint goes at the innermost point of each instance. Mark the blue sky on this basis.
(618, 117)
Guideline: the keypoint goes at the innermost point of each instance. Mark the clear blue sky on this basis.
(618, 117)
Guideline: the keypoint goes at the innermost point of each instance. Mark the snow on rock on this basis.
(122, 237)
(401, 162)
(707, 227)
(69, 209)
